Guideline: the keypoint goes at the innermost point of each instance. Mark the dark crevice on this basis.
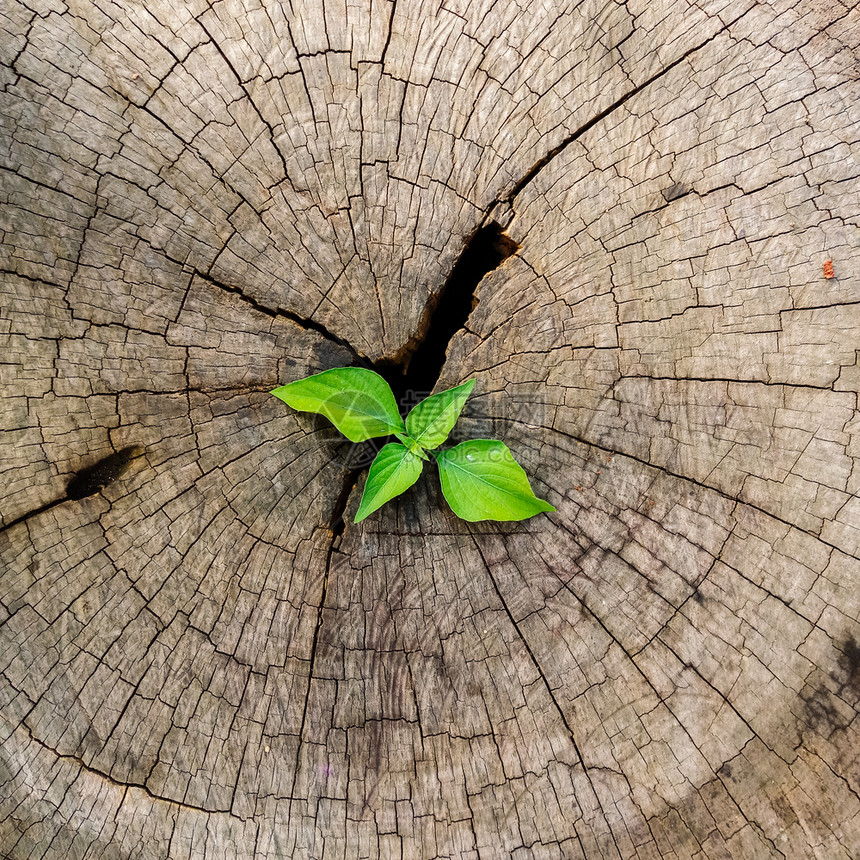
(33, 513)
(337, 523)
(88, 481)
(415, 369)
(94, 478)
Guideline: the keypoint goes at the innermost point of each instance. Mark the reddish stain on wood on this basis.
(828, 268)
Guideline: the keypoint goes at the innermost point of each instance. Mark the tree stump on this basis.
(203, 657)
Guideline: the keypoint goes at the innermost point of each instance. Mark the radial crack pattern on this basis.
(635, 225)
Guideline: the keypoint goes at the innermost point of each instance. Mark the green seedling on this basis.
(480, 478)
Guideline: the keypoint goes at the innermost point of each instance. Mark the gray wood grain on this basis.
(202, 201)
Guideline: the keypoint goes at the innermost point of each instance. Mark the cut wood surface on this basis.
(199, 658)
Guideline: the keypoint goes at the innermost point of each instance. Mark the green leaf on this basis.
(481, 480)
(357, 401)
(430, 422)
(394, 470)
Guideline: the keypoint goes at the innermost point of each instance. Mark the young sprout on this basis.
(480, 478)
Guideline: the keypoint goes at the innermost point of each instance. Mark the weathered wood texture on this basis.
(203, 200)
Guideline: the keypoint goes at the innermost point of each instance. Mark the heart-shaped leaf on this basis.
(481, 480)
(357, 401)
(430, 422)
(394, 469)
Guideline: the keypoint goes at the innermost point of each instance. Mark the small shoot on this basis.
(480, 478)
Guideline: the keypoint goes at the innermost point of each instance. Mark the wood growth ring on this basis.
(635, 224)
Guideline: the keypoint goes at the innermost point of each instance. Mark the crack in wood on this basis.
(587, 126)
(102, 474)
(652, 796)
(417, 366)
(415, 369)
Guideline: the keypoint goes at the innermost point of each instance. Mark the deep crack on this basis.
(414, 371)
(92, 479)
(416, 368)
